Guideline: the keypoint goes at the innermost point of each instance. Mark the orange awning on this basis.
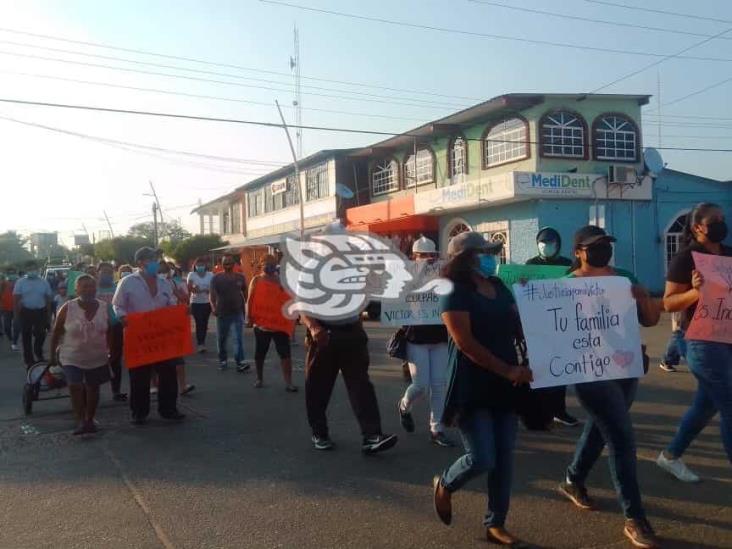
(407, 224)
(377, 212)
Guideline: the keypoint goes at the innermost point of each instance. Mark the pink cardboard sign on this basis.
(713, 316)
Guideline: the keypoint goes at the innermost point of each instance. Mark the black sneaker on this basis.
(565, 419)
(322, 443)
(577, 494)
(138, 421)
(441, 439)
(378, 443)
(405, 418)
(667, 367)
(640, 534)
(243, 367)
(173, 416)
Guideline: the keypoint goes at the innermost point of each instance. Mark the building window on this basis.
(615, 138)
(674, 238)
(457, 158)
(317, 182)
(505, 142)
(225, 223)
(385, 177)
(420, 171)
(236, 218)
(457, 229)
(255, 203)
(562, 135)
(278, 200)
(499, 236)
(293, 192)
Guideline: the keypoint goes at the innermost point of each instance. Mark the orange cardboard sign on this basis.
(265, 307)
(713, 315)
(157, 335)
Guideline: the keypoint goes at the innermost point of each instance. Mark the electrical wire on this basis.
(228, 65)
(660, 12)
(200, 96)
(592, 20)
(276, 124)
(487, 35)
(697, 92)
(208, 80)
(223, 74)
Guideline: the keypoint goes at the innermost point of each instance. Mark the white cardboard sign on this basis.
(580, 330)
(415, 307)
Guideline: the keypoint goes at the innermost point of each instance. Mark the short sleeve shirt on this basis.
(133, 296)
(229, 288)
(203, 284)
(34, 292)
(494, 325)
(682, 265)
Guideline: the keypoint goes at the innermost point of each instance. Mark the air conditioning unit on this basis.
(622, 175)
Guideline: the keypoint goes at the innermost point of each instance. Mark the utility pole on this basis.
(155, 223)
(160, 209)
(297, 103)
(297, 173)
(658, 102)
(111, 231)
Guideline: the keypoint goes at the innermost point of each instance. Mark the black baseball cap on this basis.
(591, 234)
(146, 253)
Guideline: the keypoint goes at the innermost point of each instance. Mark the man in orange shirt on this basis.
(9, 326)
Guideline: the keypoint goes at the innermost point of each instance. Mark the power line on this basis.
(227, 65)
(486, 35)
(660, 12)
(656, 63)
(274, 124)
(592, 20)
(200, 96)
(208, 80)
(697, 92)
(224, 74)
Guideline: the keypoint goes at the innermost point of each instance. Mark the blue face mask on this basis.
(487, 265)
(152, 268)
(106, 280)
(32, 274)
(201, 269)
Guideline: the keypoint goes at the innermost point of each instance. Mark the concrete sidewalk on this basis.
(240, 472)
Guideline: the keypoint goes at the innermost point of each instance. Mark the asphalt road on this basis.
(240, 472)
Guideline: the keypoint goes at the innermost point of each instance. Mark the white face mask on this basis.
(547, 249)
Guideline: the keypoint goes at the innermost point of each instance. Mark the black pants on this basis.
(33, 326)
(140, 389)
(201, 313)
(262, 340)
(348, 353)
(10, 327)
(116, 365)
(554, 399)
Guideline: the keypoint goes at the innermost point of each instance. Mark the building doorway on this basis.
(673, 238)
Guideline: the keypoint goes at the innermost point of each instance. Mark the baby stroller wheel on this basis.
(28, 398)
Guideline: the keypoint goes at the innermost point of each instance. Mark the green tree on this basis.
(12, 249)
(121, 249)
(171, 231)
(191, 248)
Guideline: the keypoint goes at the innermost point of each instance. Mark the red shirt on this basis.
(6, 296)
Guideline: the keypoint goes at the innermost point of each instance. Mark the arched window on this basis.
(507, 141)
(457, 159)
(499, 236)
(615, 138)
(563, 135)
(385, 177)
(421, 170)
(673, 237)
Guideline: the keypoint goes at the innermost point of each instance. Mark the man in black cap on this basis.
(549, 244)
(140, 293)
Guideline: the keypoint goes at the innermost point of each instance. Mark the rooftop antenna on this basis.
(297, 103)
(658, 102)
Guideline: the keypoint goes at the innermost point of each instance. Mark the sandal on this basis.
(187, 390)
(258, 384)
(291, 388)
(120, 397)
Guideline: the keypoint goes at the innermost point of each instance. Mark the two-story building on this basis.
(505, 167)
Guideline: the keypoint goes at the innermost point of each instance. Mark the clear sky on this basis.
(56, 181)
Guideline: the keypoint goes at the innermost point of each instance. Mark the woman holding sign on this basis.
(482, 322)
(608, 403)
(709, 361)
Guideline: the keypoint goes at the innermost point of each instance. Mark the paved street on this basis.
(240, 472)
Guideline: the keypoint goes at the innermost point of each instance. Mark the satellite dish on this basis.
(343, 191)
(653, 161)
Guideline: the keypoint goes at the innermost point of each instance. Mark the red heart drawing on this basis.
(623, 358)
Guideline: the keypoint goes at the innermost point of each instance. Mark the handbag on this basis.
(396, 345)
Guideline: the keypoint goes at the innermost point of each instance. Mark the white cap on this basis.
(424, 245)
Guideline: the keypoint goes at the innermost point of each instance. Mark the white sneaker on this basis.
(677, 468)
(13, 347)
(153, 390)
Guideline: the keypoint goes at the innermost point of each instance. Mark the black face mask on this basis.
(716, 231)
(598, 255)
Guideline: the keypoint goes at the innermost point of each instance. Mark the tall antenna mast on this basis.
(658, 102)
(297, 103)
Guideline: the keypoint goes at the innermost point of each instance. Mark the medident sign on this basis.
(567, 185)
(471, 194)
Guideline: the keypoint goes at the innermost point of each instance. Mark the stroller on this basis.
(42, 378)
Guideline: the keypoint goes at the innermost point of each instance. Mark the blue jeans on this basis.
(489, 437)
(711, 364)
(675, 349)
(608, 404)
(224, 324)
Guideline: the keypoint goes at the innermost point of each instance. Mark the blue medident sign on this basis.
(557, 184)
(563, 181)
